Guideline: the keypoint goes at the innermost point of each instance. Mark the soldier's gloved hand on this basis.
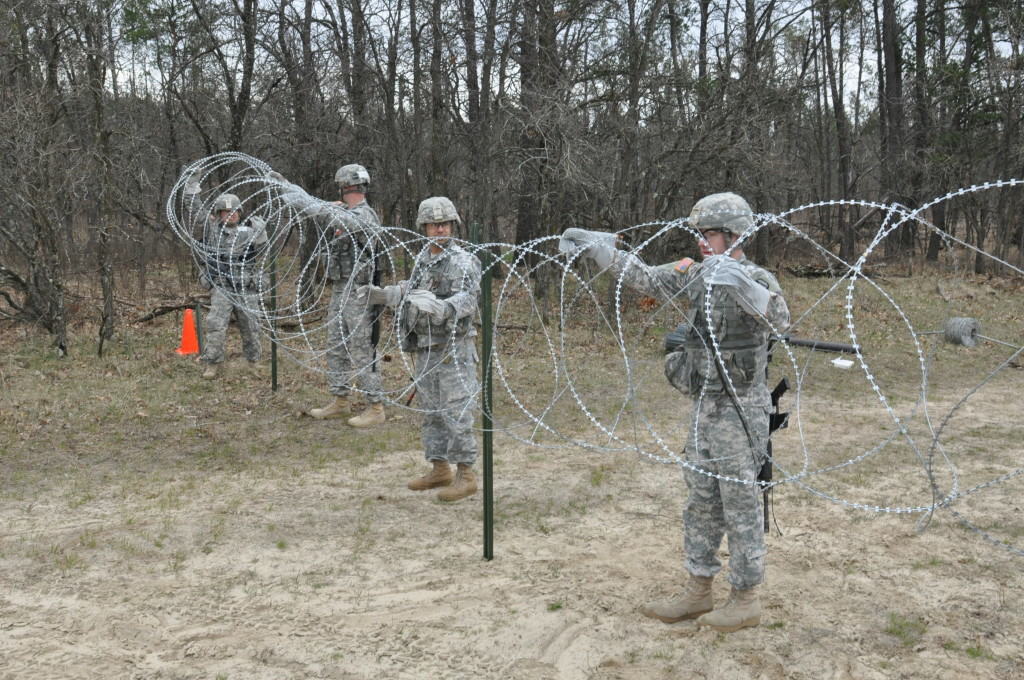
(192, 186)
(723, 270)
(275, 176)
(370, 294)
(375, 295)
(427, 303)
(599, 246)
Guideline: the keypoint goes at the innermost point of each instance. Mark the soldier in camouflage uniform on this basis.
(231, 246)
(729, 422)
(436, 307)
(349, 262)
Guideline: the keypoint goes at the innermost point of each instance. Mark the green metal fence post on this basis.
(487, 324)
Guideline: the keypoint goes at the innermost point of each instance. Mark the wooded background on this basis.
(533, 115)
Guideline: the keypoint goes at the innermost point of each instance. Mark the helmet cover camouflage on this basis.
(722, 212)
(436, 209)
(228, 202)
(352, 175)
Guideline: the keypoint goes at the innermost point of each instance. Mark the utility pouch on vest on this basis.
(675, 358)
(745, 363)
(675, 371)
(741, 368)
(676, 340)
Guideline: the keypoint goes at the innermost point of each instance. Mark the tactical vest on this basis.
(436, 278)
(742, 341)
(232, 270)
(349, 257)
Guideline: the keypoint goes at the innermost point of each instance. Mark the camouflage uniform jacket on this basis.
(742, 339)
(350, 233)
(231, 251)
(453, 275)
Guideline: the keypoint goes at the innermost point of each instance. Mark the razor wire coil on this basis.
(300, 325)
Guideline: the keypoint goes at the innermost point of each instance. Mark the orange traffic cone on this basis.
(189, 339)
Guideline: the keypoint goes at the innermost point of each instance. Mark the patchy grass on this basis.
(134, 492)
(907, 629)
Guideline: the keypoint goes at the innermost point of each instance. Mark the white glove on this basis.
(722, 270)
(275, 176)
(427, 303)
(192, 187)
(375, 295)
(599, 245)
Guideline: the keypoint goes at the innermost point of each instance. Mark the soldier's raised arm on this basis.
(194, 212)
(662, 282)
(329, 217)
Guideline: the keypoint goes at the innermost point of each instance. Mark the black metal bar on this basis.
(765, 478)
(821, 345)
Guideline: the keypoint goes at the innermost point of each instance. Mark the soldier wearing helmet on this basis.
(734, 306)
(349, 226)
(435, 308)
(231, 246)
(352, 178)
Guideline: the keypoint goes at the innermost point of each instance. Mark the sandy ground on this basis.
(153, 525)
(253, 566)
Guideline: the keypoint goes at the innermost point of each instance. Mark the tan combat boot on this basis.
(373, 415)
(463, 486)
(440, 475)
(741, 610)
(211, 372)
(336, 409)
(696, 600)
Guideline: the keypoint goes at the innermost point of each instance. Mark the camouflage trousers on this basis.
(447, 390)
(718, 507)
(350, 354)
(217, 320)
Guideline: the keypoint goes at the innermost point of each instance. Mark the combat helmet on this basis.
(352, 175)
(227, 202)
(436, 209)
(722, 212)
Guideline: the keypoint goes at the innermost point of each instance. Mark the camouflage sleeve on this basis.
(778, 310)
(259, 226)
(196, 218)
(326, 215)
(658, 282)
(465, 297)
